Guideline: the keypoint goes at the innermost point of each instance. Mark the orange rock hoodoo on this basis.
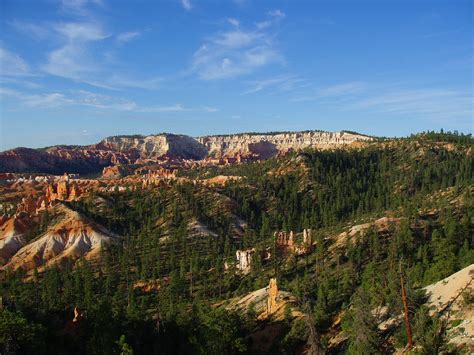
(156, 177)
(286, 241)
(272, 296)
(63, 191)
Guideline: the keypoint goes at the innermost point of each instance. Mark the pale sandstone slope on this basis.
(13, 236)
(449, 296)
(72, 237)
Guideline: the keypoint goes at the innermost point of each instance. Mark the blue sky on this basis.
(75, 71)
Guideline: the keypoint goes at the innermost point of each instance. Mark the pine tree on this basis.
(362, 327)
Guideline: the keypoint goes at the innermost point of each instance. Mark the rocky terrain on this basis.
(70, 237)
(140, 149)
(267, 145)
(278, 240)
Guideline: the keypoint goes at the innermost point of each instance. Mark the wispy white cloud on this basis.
(235, 52)
(434, 103)
(78, 7)
(277, 13)
(440, 105)
(176, 108)
(127, 36)
(211, 63)
(73, 60)
(237, 39)
(26, 82)
(274, 16)
(77, 60)
(12, 64)
(187, 5)
(277, 83)
(4, 91)
(333, 91)
(95, 100)
(46, 100)
(439, 34)
(233, 22)
(120, 81)
(81, 31)
(37, 31)
(101, 101)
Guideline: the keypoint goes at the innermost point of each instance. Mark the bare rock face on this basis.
(170, 145)
(270, 144)
(133, 149)
(244, 259)
(14, 235)
(72, 237)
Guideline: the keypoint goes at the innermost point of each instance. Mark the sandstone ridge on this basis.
(126, 150)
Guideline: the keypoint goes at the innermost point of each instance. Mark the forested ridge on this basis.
(424, 183)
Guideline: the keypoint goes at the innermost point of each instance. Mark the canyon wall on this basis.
(138, 149)
(266, 144)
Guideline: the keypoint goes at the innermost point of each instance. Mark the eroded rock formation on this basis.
(307, 237)
(224, 149)
(63, 190)
(116, 171)
(265, 145)
(14, 234)
(272, 296)
(286, 242)
(157, 177)
(28, 205)
(171, 145)
(244, 259)
(284, 239)
(71, 237)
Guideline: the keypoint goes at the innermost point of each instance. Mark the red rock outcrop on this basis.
(116, 171)
(157, 177)
(284, 239)
(286, 242)
(63, 191)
